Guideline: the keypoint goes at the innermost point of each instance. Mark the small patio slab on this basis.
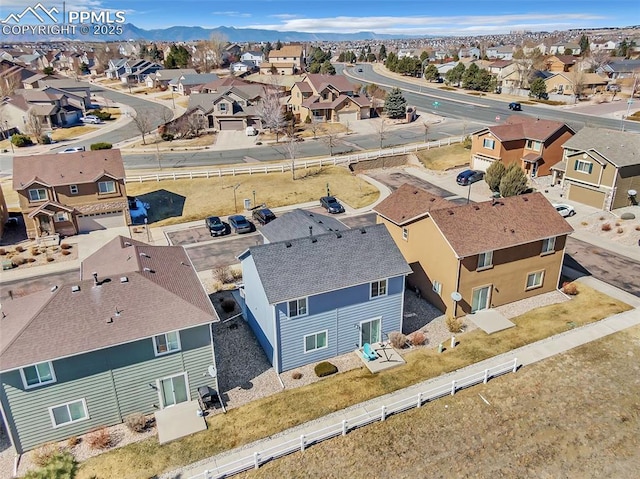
(490, 320)
(178, 421)
(388, 358)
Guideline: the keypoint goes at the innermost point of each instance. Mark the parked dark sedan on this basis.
(331, 204)
(216, 226)
(240, 224)
(515, 106)
(263, 215)
(468, 177)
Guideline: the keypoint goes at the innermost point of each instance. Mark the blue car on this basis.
(240, 224)
(468, 177)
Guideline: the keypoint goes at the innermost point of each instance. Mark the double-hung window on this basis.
(38, 194)
(69, 412)
(106, 187)
(534, 145)
(297, 307)
(548, 245)
(166, 343)
(315, 341)
(485, 260)
(405, 234)
(379, 288)
(583, 166)
(38, 375)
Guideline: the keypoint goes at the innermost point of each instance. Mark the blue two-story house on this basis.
(312, 298)
(132, 335)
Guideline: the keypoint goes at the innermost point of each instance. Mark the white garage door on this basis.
(480, 163)
(348, 117)
(96, 222)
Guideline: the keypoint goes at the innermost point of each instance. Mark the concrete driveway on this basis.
(231, 140)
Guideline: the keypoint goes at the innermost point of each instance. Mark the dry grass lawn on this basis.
(206, 139)
(444, 158)
(295, 406)
(10, 196)
(72, 132)
(214, 196)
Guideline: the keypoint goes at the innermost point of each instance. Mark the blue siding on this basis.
(258, 312)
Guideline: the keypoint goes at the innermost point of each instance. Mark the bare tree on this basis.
(34, 125)
(332, 141)
(291, 146)
(208, 54)
(426, 131)
(143, 123)
(270, 111)
(314, 126)
(9, 84)
(599, 58)
(381, 132)
(578, 83)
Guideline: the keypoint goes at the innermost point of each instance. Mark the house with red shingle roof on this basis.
(131, 335)
(533, 143)
(72, 193)
(491, 253)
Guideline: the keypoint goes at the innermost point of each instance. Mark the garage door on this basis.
(348, 117)
(96, 222)
(586, 196)
(228, 125)
(480, 163)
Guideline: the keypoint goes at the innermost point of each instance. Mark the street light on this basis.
(235, 203)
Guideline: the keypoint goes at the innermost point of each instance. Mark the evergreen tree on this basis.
(395, 105)
(382, 55)
(371, 57)
(327, 68)
(494, 174)
(537, 88)
(279, 45)
(513, 182)
(584, 45)
(266, 48)
(469, 77)
(431, 73)
(455, 74)
(392, 62)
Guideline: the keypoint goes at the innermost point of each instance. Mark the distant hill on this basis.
(184, 34)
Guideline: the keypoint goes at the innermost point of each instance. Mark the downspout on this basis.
(276, 347)
(455, 303)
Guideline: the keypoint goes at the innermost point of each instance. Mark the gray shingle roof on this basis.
(302, 267)
(620, 148)
(296, 223)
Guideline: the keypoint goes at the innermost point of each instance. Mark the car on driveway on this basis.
(240, 224)
(73, 149)
(564, 210)
(515, 106)
(216, 226)
(263, 215)
(91, 119)
(331, 204)
(468, 177)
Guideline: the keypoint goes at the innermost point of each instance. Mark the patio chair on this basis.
(368, 353)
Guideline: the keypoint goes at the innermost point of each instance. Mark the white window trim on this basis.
(31, 200)
(326, 345)
(377, 318)
(551, 244)
(583, 162)
(386, 288)
(84, 406)
(73, 189)
(488, 266)
(155, 345)
(59, 215)
(297, 300)
(532, 144)
(42, 383)
(493, 143)
(105, 183)
(536, 286)
(159, 387)
(405, 234)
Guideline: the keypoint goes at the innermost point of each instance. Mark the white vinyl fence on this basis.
(254, 460)
(286, 165)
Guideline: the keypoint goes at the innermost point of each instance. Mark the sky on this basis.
(414, 17)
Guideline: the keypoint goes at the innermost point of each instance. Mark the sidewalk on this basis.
(525, 355)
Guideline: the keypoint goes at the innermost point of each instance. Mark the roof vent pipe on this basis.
(95, 279)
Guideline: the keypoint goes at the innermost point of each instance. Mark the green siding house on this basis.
(133, 335)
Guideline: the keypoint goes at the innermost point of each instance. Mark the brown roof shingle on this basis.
(498, 224)
(518, 127)
(408, 203)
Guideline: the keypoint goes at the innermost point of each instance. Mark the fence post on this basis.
(206, 474)
(345, 428)
(419, 399)
(453, 387)
(515, 365)
(486, 376)
(383, 412)
(256, 460)
(302, 443)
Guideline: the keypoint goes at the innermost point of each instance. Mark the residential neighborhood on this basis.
(234, 247)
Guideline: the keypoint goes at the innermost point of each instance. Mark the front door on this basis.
(173, 390)
(370, 332)
(534, 169)
(45, 225)
(480, 298)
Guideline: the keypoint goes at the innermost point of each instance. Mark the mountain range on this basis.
(234, 35)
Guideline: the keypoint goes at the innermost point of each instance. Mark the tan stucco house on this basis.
(72, 193)
(288, 60)
(491, 253)
(533, 143)
(603, 168)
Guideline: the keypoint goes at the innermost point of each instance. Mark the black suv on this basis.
(263, 215)
(216, 226)
(515, 106)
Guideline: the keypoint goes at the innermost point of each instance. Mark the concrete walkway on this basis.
(525, 355)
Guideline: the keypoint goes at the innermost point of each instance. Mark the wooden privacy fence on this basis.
(416, 400)
(286, 165)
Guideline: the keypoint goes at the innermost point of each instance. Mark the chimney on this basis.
(95, 279)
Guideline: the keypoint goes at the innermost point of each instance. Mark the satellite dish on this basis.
(632, 192)
(456, 296)
(212, 371)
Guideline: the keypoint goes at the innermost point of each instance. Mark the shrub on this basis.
(66, 246)
(584, 223)
(236, 273)
(103, 115)
(136, 422)
(21, 140)
(466, 143)
(617, 223)
(620, 230)
(19, 249)
(397, 339)
(569, 288)
(99, 438)
(66, 252)
(325, 368)
(228, 305)
(606, 227)
(417, 338)
(50, 259)
(17, 261)
(31, 260)
(34, 251)
(73, 441)
(454, 324)
(601, 218)
(45, 140)
(637, 229)
(45, 453)
(61, 466)
(101, 145)
(296, 375)
(3, 252)
(167, 137)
